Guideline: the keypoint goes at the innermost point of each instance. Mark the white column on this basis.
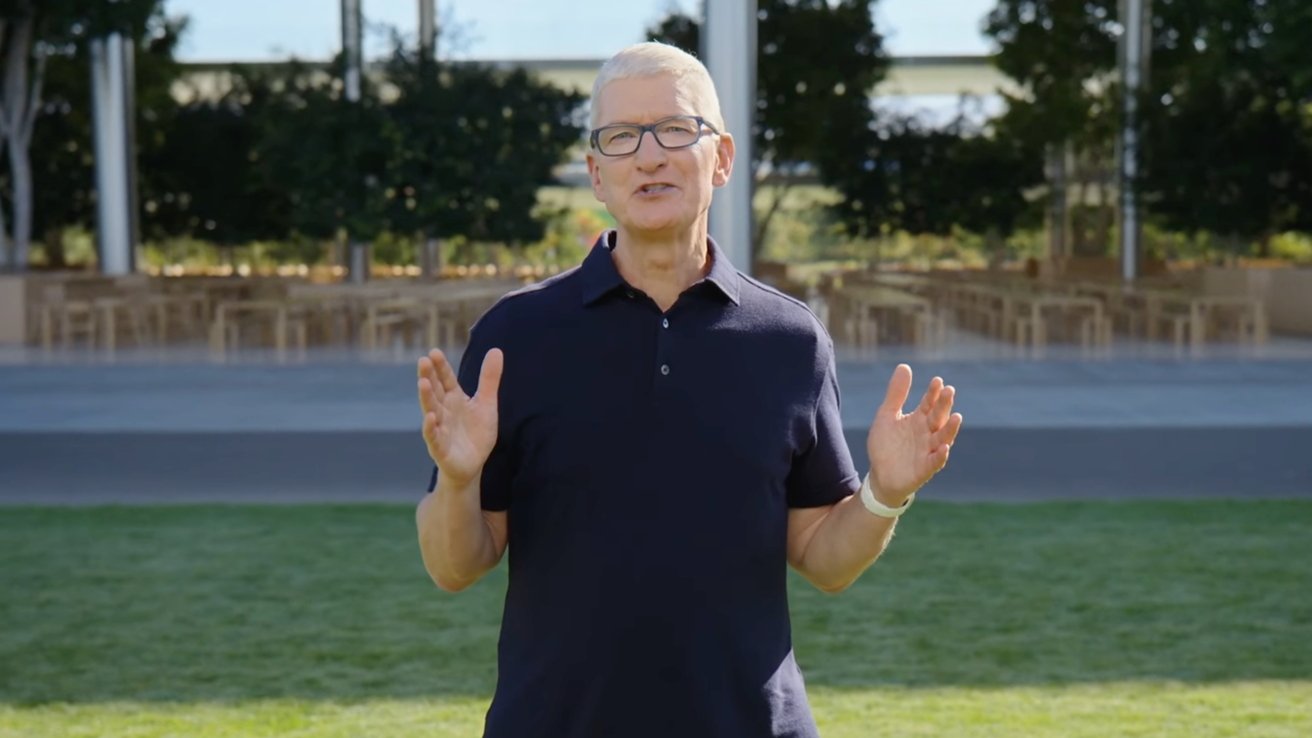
(729, 51)
(352, 42)
(427, 29)
(1134, 44)
(109, 101)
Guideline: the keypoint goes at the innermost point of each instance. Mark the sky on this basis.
(249, 30)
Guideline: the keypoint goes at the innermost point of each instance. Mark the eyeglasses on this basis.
(678, 132)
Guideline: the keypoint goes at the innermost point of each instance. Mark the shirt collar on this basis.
(600, 276)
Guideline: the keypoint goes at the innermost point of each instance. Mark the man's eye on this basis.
(621, 135)
(676, 128)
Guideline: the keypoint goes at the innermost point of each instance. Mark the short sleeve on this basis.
(498, 472)
(822, 472)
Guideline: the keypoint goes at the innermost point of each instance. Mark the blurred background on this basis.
(228, 230)
(301, 145)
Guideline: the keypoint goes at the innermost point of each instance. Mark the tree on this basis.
(1063, 54)
(1227, 139)
(430, 149)
(1226, 144)
(817, 64)
(473, 146)
(61, 150)
(910, 177)
(31, 33)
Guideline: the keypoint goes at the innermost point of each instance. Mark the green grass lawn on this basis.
(1063, 619)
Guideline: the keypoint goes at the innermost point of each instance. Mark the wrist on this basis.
(870, 498)
(453, 484)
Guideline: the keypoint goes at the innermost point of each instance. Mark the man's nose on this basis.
(650, 154)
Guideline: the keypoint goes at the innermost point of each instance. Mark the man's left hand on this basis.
(907, 449)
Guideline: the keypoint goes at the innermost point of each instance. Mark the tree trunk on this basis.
(780, 192)
(6, 253)
(54, 242)
(20, 172)
(995, 247)
(1057, 245)
(18, 117)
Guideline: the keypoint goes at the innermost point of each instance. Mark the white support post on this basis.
(729, 51)
(427, 29)
(109, 99)
(1136, 16)
(352, 49)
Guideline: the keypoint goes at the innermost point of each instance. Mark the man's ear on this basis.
(724, 153)
(594, 176)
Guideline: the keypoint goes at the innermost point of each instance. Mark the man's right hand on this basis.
(459, 430)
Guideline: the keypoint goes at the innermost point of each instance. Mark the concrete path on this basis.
(344, 427)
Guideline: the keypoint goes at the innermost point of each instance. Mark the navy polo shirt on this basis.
(647, 462)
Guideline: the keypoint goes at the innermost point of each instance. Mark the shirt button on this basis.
(665, 322)
(665, 369)
(628, 294)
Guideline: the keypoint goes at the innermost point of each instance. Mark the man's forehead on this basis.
(644, 99)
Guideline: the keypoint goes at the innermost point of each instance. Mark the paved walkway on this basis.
(343, 426)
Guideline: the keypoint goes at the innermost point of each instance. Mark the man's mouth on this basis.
(655, 188)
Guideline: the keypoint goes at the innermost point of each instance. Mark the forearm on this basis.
(847, 541)
(454, 539)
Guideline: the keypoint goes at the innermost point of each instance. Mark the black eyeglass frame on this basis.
(595, 136)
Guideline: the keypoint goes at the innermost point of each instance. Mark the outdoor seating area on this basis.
(1184, 312)
(868, 309)
(102, 313)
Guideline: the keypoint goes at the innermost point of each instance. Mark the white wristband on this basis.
(878, 508)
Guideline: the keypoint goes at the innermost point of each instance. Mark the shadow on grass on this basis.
(222, 604)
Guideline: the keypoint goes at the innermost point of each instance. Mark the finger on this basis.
(429, 428)
(446, 376)
(947, 435)
(939, 458)
(489, 377)
(430, 400)
(899, 386)
(939, 414)
(931, 395)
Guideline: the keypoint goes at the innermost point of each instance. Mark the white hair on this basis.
(652, 59)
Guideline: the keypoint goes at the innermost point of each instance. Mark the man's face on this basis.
(655, 191)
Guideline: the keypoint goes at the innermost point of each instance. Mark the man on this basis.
(655, 436)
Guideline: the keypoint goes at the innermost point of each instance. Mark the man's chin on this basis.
(658, 227)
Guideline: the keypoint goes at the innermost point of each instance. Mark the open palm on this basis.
(906, 449)
(460, 431)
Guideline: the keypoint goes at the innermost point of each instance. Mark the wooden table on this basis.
(1194, 316)
(862, 300)
(278, 310)
(1032, 311)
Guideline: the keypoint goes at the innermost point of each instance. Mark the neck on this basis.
(663, 265)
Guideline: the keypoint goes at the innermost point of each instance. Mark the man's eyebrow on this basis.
(661, 119)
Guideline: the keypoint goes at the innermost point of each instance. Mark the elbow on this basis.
(833, 588)
(827, 585)
(448, 584)
(446, 580)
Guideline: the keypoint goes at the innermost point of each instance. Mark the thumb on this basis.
(489, 377)
(899, 387)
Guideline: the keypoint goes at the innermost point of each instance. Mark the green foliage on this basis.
(817, 62)
(64, 27)
(1293, 246)
(62, 151)
(1055, 49)
(1229, 145)
(471, 148)
(908, 177)
(1227, 137)
(450, 150)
